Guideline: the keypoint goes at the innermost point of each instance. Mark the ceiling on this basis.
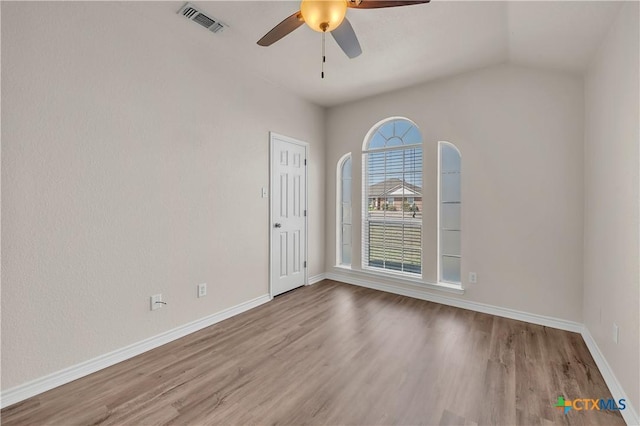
(401, 46)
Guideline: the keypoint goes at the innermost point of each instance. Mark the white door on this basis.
(288, 214)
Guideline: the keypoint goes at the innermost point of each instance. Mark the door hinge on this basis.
(305, 212)
(305, 263)
(305, 161)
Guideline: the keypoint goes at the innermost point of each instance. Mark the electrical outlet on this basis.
(156, 302)
(616, 333)
(202, 290)
(473, 277)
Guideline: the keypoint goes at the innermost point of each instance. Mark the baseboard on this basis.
(317, 278)
(629, 414)
(424, 294)
(43, 384)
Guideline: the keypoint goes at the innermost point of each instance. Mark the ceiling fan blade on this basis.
(282, 29)
(376, 4)
(347, 39)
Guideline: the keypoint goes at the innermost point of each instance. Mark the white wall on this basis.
(131, 165)
(520, 132)
(118, 156)
(611, 252)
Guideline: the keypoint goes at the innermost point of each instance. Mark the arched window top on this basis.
(394, 132)
(450, 157)
(344, 166)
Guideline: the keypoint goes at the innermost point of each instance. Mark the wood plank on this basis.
(333, 353)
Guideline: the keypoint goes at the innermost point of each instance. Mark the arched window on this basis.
(343, 203)
(392, 204)
(450, 200)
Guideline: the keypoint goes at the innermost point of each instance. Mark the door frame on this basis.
(305, 145)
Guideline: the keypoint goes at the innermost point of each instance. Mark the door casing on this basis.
(305, 145)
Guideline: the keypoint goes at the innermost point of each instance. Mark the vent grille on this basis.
(204, 20)
(189, 11)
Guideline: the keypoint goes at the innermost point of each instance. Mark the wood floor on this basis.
(335, 354)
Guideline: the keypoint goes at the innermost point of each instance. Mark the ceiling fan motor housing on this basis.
(325, 15)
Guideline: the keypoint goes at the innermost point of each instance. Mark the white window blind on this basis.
(449, 218)
(392, 226)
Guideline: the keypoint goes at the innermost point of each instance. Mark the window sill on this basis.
(347, 267)
(403, 279)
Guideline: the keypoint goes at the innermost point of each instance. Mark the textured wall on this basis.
(520, 132)
(131, 165)
(611, 252)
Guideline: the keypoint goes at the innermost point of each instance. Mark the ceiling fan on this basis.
(329, 15)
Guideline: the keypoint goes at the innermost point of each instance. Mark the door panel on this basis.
(288, 219)
(284, 195)
(283, 254)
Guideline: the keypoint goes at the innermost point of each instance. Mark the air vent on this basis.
(191, 12)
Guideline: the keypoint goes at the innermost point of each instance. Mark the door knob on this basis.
(278, 225)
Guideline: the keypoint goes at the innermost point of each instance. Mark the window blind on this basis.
(392, 216)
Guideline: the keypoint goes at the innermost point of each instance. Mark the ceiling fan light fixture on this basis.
(323, 15)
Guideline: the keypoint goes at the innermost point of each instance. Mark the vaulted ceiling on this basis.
(401, 46)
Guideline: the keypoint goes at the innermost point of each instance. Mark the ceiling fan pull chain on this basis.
(323, 57)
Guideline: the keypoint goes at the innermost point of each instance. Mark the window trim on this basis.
(439, 227)
(339, 244)
(399, 277)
